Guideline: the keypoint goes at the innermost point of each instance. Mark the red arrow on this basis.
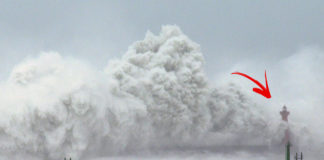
(263, 91)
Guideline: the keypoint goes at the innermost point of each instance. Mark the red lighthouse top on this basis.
(284, 114)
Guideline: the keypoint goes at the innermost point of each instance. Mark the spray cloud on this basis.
(156, 96)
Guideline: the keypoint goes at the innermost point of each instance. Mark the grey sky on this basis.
(95, 31)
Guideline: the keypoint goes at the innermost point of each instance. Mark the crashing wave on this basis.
(156, 95)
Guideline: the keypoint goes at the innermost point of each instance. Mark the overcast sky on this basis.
(95, 31)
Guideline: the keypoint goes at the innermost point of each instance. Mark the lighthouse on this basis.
(284, 116)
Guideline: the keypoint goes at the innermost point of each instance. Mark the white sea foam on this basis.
(156, 96)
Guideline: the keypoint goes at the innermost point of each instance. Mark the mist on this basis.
(157, 102)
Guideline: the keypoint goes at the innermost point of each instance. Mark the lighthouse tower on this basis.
(284, 115)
